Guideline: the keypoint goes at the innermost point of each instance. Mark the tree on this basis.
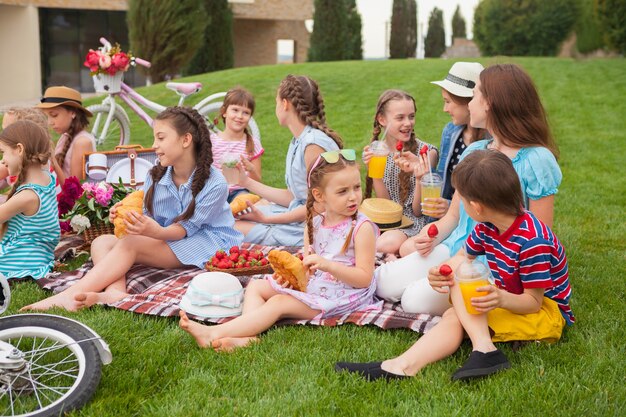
(589, 36)
(328, 39)
(527, 28)
(612, 15)
(354, 41)
(216, 51)
(403, 39)
(166, 32)
(458, 24)
(435, 42)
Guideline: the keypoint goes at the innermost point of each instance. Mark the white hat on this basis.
(213, 295)
(461, 79)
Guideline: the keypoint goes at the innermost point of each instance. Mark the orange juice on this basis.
(376, 167)
(431, 188)
(468, 289)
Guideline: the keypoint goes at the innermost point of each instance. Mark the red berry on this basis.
(234, 256)
(234, 249)
(239, 266)
(300, 256)
(445, 270)
(247, 264)
(424, 150)
(214, 261)
(399, 146)
(222, 264)
(244, 252)
(264, 261)
(433, 231)
(220, 254)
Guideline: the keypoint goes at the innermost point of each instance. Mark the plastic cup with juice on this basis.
(471, 275)
(229, 167)
(431, 184)
(376, 167)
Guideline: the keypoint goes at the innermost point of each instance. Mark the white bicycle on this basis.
(111, 125)
(49, 365)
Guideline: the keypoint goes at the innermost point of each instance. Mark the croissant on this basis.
(290, 268)
(239, 203)
(132, 202)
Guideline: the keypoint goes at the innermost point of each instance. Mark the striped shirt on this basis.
(221, 147)
(527, 255)
(27, 247)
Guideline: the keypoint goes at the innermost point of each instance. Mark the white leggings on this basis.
(406, 280)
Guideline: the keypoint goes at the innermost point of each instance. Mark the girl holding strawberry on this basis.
(395, 119)
(339, 253)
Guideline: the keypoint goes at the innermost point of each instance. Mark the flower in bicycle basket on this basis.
(103, 61)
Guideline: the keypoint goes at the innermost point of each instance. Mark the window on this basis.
(285, 51)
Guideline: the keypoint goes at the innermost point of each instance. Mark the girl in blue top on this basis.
(186, 217)
(29, 219)
(299, 107)
(507, 104)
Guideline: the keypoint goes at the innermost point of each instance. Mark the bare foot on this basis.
(228, 344)
(62, 300)
(88, 299)
(201, 333)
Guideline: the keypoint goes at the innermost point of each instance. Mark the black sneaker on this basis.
(481, 364)
(369, 370)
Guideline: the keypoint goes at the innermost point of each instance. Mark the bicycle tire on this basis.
(211, 111)
(119, 129)
(48, 338)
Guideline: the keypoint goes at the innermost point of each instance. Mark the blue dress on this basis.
(291, 234)
(27, 247)
(210, 228)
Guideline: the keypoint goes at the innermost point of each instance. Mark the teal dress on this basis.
(27, 247)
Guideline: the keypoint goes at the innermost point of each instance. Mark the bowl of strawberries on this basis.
(238, 261)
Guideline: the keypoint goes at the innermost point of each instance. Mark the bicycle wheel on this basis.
(211, 111)
(118, 132)
(62, 367)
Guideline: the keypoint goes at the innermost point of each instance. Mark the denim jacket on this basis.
(449, 136)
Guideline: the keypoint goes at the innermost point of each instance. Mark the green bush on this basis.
(612, 15)
(588, 29)
(329, 31)
(403, 39)
(523, 28)
(458, 24)
(435, 42)
(354, 41)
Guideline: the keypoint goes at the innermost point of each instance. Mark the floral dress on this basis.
(325, 293)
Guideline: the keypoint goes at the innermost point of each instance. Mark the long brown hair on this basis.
(240, 97)
(304, 95)
(79, 123)
(488, 177)
(316, 180)
(516, 116)
(476, 133)
(186, 120)
(411, 145)
(36, 143)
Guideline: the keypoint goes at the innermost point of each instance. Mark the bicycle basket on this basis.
(105, 83)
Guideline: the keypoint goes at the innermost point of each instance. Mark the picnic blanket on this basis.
(158, 292)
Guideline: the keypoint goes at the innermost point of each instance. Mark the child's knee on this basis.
(389, 242)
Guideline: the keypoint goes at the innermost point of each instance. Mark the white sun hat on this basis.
(461, 79)
(213, 295)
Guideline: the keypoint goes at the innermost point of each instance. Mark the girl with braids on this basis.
(68, 117)
(339, 252)
(395, 120)
(236, 139)
(300, 108)
(29, 219)
(185, 216)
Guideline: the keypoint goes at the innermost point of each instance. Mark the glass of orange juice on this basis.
(378, 162)
(471, 275)
(431, 184)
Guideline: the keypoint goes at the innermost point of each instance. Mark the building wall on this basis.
(272, 9)
(20, 72)
(71, 4)
(256, 40)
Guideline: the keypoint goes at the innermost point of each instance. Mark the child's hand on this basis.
(367, 155)
(406, 161)
(420, 167)
(490, 301)
(113, 211)
(253, 215)
(423, 243)
(435, 207)
(139, 224)
(313, 262)
(280, 281)
(438, 281)
(243, 174)
(247, 166)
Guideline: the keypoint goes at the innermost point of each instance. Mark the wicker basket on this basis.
(253, 270)
(99, 229)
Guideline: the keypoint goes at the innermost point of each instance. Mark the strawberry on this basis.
(234, 249)
(433, 231)
(234, 256)
(300, 256)
(247, 264)
(244, 252)
(424, 150)
(399, 146)
(214, 261)
(239, 266)
(223, 264)
(264, 261)
(220, 254)
(445, 270)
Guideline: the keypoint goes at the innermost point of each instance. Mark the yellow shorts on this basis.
(545, 325)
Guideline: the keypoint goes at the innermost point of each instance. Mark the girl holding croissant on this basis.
(339, 254)
(185, 215)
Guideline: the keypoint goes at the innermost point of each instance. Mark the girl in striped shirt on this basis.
(29, 224)
(185, 216)
(236, 140)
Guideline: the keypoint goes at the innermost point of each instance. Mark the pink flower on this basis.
(92, 60)
(89, 187)
(121, 61)
(104, 61)
(103, 194)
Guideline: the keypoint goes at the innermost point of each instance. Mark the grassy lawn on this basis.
(158, 370)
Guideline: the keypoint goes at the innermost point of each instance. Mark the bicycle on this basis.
(49, 365)
(111, 124)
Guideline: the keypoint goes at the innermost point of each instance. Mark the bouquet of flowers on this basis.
(92, 206)
(103, 61)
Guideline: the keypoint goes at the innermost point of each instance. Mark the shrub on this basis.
(435, 42)
(612, 15)
(403, 39)
(458, 24)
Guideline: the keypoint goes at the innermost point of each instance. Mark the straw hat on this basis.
(62, 96)
(461, 79)
(213, 295)
(387, 214)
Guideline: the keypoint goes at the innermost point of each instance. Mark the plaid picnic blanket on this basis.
(158, 292)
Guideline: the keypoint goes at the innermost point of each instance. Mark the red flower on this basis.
(65, 226)
(72, 187)
(91, 60)
(120, 61)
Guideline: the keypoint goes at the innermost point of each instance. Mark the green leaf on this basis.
(91, 204)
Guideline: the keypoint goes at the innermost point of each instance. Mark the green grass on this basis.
(158, 370)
